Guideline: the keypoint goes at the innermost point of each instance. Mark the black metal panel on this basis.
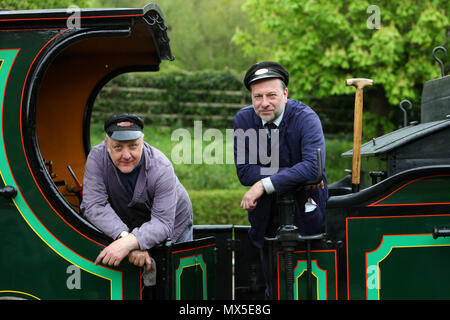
(224, 266)
(162, 290)
(435, 104)
(430, 150)
(396, 139)
(165, 276)
(422, 145)
(248, 277)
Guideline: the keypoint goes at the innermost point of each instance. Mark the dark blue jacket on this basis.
(300, 135)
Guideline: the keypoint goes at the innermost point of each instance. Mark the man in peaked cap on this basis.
(293, 133)
(131, 193)
(266, 70)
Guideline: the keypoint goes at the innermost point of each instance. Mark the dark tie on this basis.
(270, 126)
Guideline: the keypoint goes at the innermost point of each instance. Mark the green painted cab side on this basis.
(42, 255)
(397, 257)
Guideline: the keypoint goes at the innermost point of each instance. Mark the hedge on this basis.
(175, 98)
(218, 207)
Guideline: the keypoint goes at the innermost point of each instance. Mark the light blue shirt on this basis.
(267, 183)
(277, 121)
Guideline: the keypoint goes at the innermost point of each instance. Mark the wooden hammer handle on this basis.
(357, 136)
(359, 83)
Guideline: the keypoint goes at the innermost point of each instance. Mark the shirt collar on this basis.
(277, 121)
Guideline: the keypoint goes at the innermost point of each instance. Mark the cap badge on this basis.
(261, 71)
(125, 124)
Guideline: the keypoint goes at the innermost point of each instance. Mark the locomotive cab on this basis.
(69, 73)
(53, 63)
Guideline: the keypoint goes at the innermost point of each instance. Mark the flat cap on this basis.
(124, 127)
(265, 70)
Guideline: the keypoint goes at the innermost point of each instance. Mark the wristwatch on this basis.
(123, 234)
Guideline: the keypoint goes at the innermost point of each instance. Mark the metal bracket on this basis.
(8, 192)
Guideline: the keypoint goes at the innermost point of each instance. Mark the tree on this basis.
(323, 42)
(42, 4)
(120, 3)
(201, 34)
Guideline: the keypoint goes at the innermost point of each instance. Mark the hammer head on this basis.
(359, 82)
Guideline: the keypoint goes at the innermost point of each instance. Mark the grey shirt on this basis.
(159, 208)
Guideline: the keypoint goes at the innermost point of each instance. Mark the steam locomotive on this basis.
(387, 241)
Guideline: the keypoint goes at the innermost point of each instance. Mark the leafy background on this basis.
(321, 43)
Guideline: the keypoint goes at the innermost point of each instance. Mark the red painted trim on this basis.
(195, 248)
(375, 204)
(6, 83)
(140, 284)
(19, 190)
(24, 29)
(346, 257)
(23, 145)
(65, 18)
(403, 216)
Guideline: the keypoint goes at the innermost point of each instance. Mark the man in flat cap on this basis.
(131, 193)
(298, 133)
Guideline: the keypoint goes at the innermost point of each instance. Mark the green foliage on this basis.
(42, 4)
(203, 95)
(180, 80)
(372, 123)
(324, 42)
(335, 165)
(120, 3)
(202, 176)
(201, 31)
(218, 207)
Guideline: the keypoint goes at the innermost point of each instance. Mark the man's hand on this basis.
(315, 186)
(140, 258)
(250, 198)
(113, 254)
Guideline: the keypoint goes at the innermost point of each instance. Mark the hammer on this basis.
(359, 83)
